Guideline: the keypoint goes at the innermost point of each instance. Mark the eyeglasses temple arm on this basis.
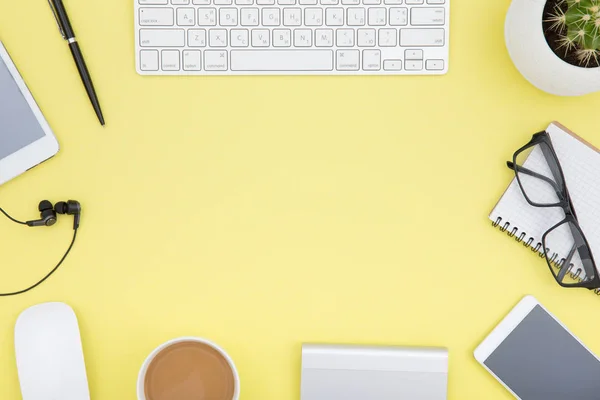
(527, 171)
(584, 255)
(566, 264)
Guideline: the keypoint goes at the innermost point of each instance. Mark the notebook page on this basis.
(581, 167)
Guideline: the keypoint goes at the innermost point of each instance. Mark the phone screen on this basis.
(540, 360)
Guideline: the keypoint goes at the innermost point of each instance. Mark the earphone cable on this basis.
(11, 218)
(49, 273)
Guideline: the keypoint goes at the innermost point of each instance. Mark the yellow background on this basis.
(264, 212)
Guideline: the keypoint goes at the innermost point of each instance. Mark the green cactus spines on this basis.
(578, 28)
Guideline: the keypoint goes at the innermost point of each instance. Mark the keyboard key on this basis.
(308, 2)
(351, 2)
(223, 2)
(421, 37)
(156, 16)
(414, 1)
(313, 16)
(434, 65)
(388, 37)
(180, 2)
(239, 38)
(436, 1)
(344, 37)
(329, 2)
(413, 54)
(192, 60)
(228, 17)
(265, 2)
(347, 60)
(286, 2)
(149, 2)
(392, 65)
(217, 38)
(356, 16)
(186, 17)
(244, 2)
(324, 38)
(170, 60)
(427, 16)
(162, 37)
(281, 60)
(149, 60)
(302, 37)
(270, 16)
(334, 16)
(365, 37)
(392, 2)
(413, 65)
(398, 16)
(261, 37)
(371, 2)
(282, 38)
(207, 16)
(371, 60)
(196, 38)
(201, 2)
(292, 16)
(249, 16)
(215, 60)
(377, 16)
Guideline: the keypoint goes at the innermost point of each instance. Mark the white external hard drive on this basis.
(376, 373)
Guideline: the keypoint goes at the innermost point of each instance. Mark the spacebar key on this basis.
(281, 60)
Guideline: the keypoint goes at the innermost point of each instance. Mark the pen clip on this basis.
(62, 32)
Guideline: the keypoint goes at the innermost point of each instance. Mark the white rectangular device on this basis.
(535, 357)
(291, 37)
(25, 137)
(374, 373)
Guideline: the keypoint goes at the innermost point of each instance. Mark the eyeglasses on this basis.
(542, 182)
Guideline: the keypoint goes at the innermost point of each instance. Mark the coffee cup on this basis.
(188, 368)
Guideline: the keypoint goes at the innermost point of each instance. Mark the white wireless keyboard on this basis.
(291, 37)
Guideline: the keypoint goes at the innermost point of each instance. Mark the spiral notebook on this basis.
(527, 224)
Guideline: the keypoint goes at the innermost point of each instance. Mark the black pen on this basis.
(66, 30)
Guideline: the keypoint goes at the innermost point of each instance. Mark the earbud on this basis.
(47, 215)
(70, 207)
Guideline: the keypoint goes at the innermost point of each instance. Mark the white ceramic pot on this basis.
(534, 58)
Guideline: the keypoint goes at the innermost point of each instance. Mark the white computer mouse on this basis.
(49, 354)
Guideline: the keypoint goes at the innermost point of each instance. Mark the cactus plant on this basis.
(577, 24)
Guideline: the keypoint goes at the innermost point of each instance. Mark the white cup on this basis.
(142, 375)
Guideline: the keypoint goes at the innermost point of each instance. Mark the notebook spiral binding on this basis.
(520, 238)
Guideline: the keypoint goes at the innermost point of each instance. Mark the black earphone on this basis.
(47, 214)
(48, 217)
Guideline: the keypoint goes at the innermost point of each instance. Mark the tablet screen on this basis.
(18, 125)
(540, 360)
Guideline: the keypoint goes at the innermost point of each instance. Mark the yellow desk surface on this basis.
(264, 212)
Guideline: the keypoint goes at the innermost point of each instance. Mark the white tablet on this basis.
(536, 357)
(25, 137)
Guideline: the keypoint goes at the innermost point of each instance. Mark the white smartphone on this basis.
(535, 357)
(26, 139)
